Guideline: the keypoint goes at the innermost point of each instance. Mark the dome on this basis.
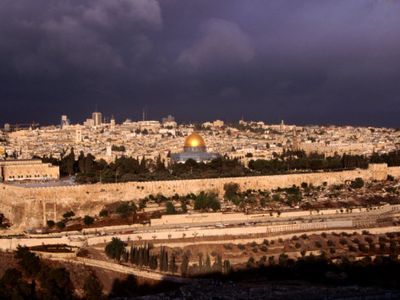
(194, 142)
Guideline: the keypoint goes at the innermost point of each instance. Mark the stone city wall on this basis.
(32, 207)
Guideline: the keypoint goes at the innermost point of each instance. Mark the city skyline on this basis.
(313, 62)
(172, 149)
(139, 116)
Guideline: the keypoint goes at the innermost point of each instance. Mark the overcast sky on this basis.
(307, 62)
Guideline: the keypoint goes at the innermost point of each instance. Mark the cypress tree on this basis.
(153, 262)
(136, 256)
(172, 264)
(146, 255)
(162, 257)
(184, 265)
(166, 261)
(218, 264)
(201, 261)
(227, 266)
(131, 254)
(140, 258)
(208, 264)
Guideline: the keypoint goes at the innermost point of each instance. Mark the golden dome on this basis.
(194, 140)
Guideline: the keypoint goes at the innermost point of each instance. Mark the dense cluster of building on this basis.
(152, 139)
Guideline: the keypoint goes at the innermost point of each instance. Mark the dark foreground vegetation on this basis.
(89, 170)
(36, 279)
(381, 271)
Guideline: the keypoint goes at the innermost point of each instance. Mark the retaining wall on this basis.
(32, 207)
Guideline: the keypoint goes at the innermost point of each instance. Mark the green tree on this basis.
(172, 264)
(142, 204)
(276, 197)
(103, 213)
(153, 264)
(205, 201)
(207, 265)
(13, 287)
(263, 202)
(185, 265)
(90, 164)
(170, 208)
(88, 220)
(115, 249)
(124, 209)
(1, 219)
(357, 183)
(93, 288)
(67, 164)
(81, 162)
(28, 261)
(218, 265)
(250, 262)
(227, 267)
(56, 284)
(163, 259)
(184, 206)
(231, 190)
(68, 214)
(60, 225)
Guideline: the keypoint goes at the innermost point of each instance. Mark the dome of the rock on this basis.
(195, 149)
(194, 140)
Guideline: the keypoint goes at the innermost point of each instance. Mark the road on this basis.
(262, 226)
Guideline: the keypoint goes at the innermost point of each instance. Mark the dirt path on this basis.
(121, 269)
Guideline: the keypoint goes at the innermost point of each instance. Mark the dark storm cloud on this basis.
(303, 61)
(220, 42)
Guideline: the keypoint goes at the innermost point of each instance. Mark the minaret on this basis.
(295, 143)
(78, 135)
(108, 150)
(112, 123)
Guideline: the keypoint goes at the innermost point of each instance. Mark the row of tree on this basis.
(89, 170)
(140, 256)
(204, 266)
(143, 257)
(291, 161)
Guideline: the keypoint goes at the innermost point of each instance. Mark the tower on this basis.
(108, 150)
(97, 118)
(78, 135)
(64, 121)
(112, 123)
(295, 141)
